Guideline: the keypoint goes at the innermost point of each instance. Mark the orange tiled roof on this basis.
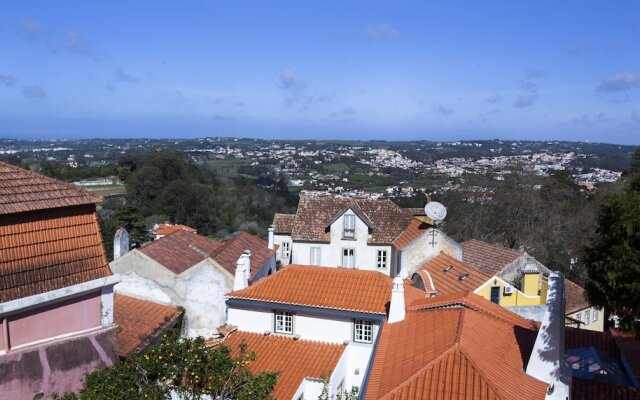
(49, 249)
(181, 250)
(326, 287)
(283, 223)
(294, 359)
(629, 345)
(458, 350)
(227, 255)
(575, 297)
(167, 229)
(315, 212)
(140, 322)
(489, 258)
(413, 231)
(416, 211)
(575, 338)
(22, 190)
(445, 273)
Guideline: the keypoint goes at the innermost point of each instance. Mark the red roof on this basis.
(167, 229)
(49, 235)
(140, 322)
(294, 359)
(587, 389)
(327, 287)
(458, 350)
(629, 345)
(227, 255)
(450, 275)
(283, 223)
(489, 258)
(575, 297)
(22, 190)
(413, 231)
(181, 250)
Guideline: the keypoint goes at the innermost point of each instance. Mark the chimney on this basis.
(240, 281)
(546, 362)
(271, 237)
(396, 308)
(246, 256)
(120, 243)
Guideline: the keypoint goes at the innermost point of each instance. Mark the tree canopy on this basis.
(185, 367)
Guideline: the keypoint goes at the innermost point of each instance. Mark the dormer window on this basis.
(349, 227)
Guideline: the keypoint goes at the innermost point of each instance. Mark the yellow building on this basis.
(533, 293)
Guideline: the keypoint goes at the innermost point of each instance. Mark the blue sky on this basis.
(389, 70)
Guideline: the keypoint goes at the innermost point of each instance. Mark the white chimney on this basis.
(396, 308)
(271, 237)
(240, 280)
(120, 243)
(546, 362)
(246, 256)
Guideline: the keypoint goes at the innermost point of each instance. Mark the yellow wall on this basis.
(593, 325)
(516, 298)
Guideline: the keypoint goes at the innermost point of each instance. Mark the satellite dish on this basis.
(436, 211)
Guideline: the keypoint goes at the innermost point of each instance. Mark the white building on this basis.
(192, 271)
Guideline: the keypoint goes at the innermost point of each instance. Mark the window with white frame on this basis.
(349, 226)
(283, 322)
(286, 250)
(348, 258)
(587, 314)
(363, 331)
(314, 257)
(382, 259)
(578, 317)
(595, 315)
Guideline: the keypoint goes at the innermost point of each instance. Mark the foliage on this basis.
(186, 367)
(345, 395)
(613, 258)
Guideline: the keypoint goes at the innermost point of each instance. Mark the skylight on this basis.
(463, 276)
(447, 268)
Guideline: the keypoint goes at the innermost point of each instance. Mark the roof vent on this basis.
(448, 268)
(266, 333)
(463, 276)
(296, 337)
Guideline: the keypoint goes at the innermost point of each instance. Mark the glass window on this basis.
(587, 314)
(314, 258)
(363, 331)
(348, 258)
(284, 322)
(349, 227)
(578, 316)
(382, 259)
(595, 315)
(286, 250)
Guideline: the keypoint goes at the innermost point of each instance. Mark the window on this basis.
(363, 331)
(286, 250)
(578, 316)
(348, 258)
(595, 315)
(382, 259)
(495, 294)
(314, 258)
(349, 227)
(284, 322)
(587, 314)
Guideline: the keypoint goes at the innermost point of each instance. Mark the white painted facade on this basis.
(425, 247)
(324, 326)
(284, 244)
(200, 290)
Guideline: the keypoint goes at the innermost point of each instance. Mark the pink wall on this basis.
(56, 319)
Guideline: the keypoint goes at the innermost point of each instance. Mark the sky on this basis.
(384, 70)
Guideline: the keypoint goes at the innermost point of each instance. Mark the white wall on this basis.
(250, 320)
(418, 252)
(279, 239)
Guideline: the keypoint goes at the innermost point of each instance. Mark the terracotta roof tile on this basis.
(315, 212)
(575, 297)
(181, 250)
(575, 338)
(227, 255)
(416, 211)
(489, 258)
(629, 345)
(458, 350)
(45, 250)
(294, 359)
(140, 322)
(445, 273)
(283, 223)
(413, 231)
(587, 389)
(326, 287)
(22, 190)
(167, 229)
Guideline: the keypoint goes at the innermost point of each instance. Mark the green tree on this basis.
(186, 367)
(613, 258)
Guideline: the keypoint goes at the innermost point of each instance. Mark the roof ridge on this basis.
(470, 360)
(285, 337)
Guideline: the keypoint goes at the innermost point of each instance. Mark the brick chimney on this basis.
(271, 237)
(397, 307)
(240, 280)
